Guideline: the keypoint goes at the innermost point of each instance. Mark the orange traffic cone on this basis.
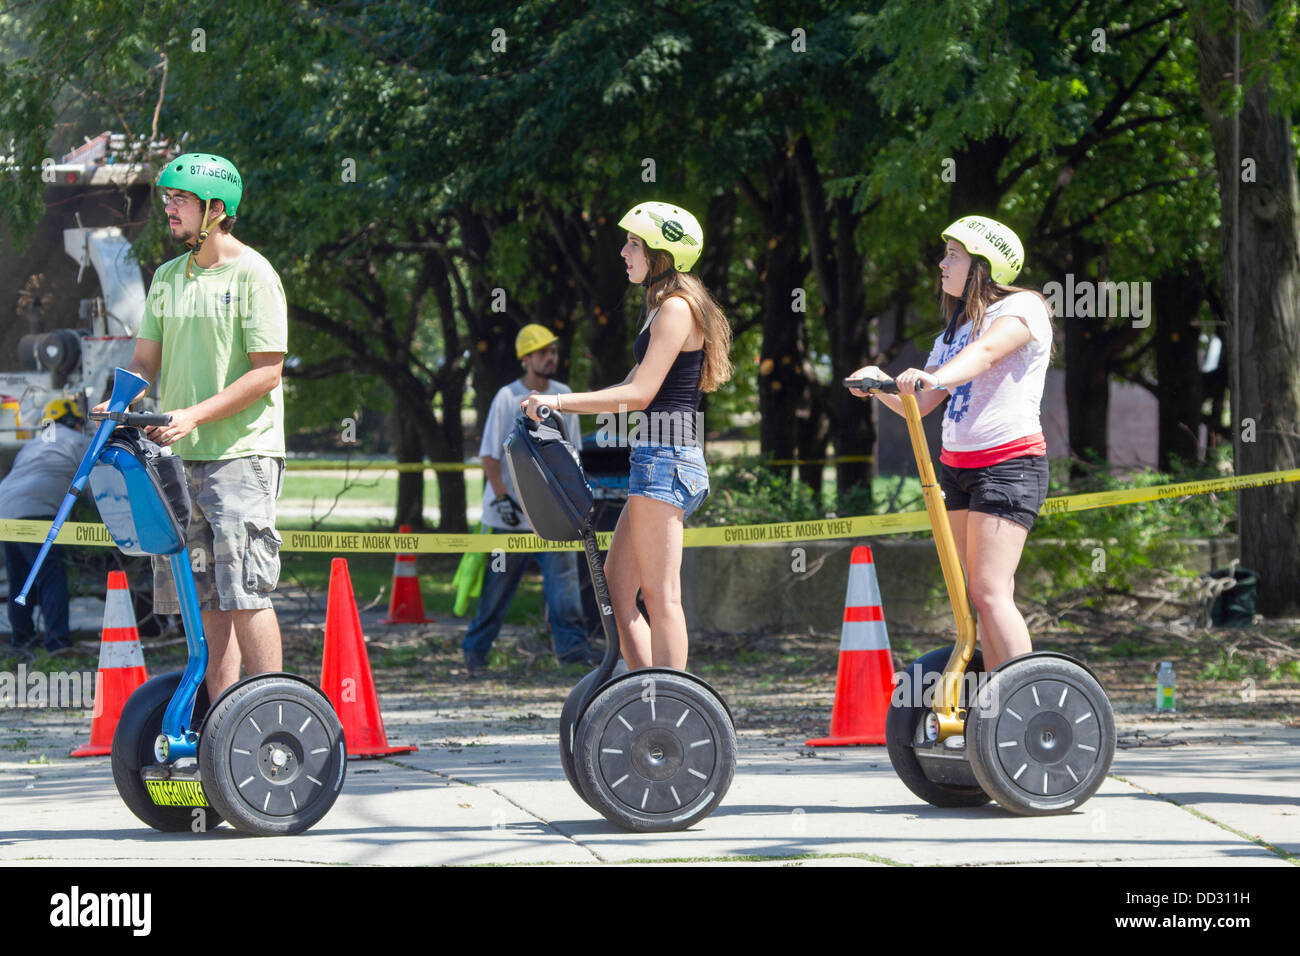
(406, 605)
(345, 672)
(866, 673)
(121, 667)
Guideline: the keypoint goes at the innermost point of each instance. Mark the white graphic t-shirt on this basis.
(1002, 404)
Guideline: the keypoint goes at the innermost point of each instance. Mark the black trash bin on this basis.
(1235, 607)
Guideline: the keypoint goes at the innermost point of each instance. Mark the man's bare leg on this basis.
(257, 644)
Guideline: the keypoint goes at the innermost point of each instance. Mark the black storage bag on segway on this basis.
(548, 477)
(141, 494)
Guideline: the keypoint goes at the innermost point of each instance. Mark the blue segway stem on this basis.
(126, 386)
(182, 737)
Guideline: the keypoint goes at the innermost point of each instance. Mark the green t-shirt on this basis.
(207, 326)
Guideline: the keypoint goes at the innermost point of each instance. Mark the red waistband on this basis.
(983, 457)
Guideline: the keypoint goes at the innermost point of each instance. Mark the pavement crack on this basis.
(514, 803)
(1292, 858)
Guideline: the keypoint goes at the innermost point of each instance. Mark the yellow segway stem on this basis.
(951, 720)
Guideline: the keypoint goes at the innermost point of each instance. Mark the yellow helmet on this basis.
(531, 338)
(994, 241)
(671, 228)
(62, 408)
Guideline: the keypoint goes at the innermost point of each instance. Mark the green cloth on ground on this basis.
(469, 577)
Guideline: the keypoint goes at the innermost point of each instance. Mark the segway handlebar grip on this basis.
(887, 385)
(133, 419)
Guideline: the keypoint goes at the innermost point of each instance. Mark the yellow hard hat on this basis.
(61, 408)
(531, 338)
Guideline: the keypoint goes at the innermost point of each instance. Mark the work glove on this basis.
(507, 510)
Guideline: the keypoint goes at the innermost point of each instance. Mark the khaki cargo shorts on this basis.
(233, 546)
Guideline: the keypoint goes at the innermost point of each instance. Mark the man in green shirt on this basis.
(216, 327)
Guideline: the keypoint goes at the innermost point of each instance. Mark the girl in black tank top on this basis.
(680, 353)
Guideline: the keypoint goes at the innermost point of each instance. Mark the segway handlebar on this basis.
(132, 419)
(886, 385)
(126, 386)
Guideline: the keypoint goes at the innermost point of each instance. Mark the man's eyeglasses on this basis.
(176, 199)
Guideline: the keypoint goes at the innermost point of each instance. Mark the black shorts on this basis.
(1013, 489)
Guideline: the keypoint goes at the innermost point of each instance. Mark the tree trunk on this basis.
(410, 484)
(1260, 198)
(1177, 299)
(782, 386)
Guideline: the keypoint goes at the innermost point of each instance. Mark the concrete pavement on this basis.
(486, 787)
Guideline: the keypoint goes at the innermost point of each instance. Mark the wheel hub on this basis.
(279, 757)
(657, 756)
(1047, 738)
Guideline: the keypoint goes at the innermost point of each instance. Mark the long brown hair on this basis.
(713, 325)
(980, 294)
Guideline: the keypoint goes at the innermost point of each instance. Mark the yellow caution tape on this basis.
(353, 542)
(362, 467)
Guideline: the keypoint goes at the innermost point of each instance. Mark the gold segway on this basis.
(1037, 734)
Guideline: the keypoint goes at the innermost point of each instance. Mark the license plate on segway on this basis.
(169, 789)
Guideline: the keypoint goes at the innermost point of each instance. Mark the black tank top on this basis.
(679, 393)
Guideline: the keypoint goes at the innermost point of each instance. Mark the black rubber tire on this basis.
(270, 715)
(133, 742)
(569, 734)
(905, 715)
(1056, 729)
(569, 728)
(675, 743)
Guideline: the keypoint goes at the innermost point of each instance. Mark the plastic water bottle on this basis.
(1165, 686)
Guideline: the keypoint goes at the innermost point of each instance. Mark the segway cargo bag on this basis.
(141, 495)
(548, 477)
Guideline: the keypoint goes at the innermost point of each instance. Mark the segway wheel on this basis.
(133, 748)
(911, 701)
(1041, 736)
(655, 751)
(569, 735)
(272, 755)
(569, 728)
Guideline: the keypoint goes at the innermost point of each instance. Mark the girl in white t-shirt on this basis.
(992, 360)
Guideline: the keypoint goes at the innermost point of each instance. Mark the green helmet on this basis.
(207, 176)
(994, 241)
(671, 228)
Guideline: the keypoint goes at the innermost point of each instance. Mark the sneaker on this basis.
(476, 664)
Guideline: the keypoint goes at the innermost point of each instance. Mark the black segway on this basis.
(269, 755)
(1037, 734)
(652, 749)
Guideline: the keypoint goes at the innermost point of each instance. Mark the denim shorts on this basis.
(1013, 489)
(674, 474)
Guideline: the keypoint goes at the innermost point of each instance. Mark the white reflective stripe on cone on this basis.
(404, 570)
(863, 590)
(114, 654)
(117, 609)
(864, 636)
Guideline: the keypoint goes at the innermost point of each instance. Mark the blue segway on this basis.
(652, 749)
(268, 756)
